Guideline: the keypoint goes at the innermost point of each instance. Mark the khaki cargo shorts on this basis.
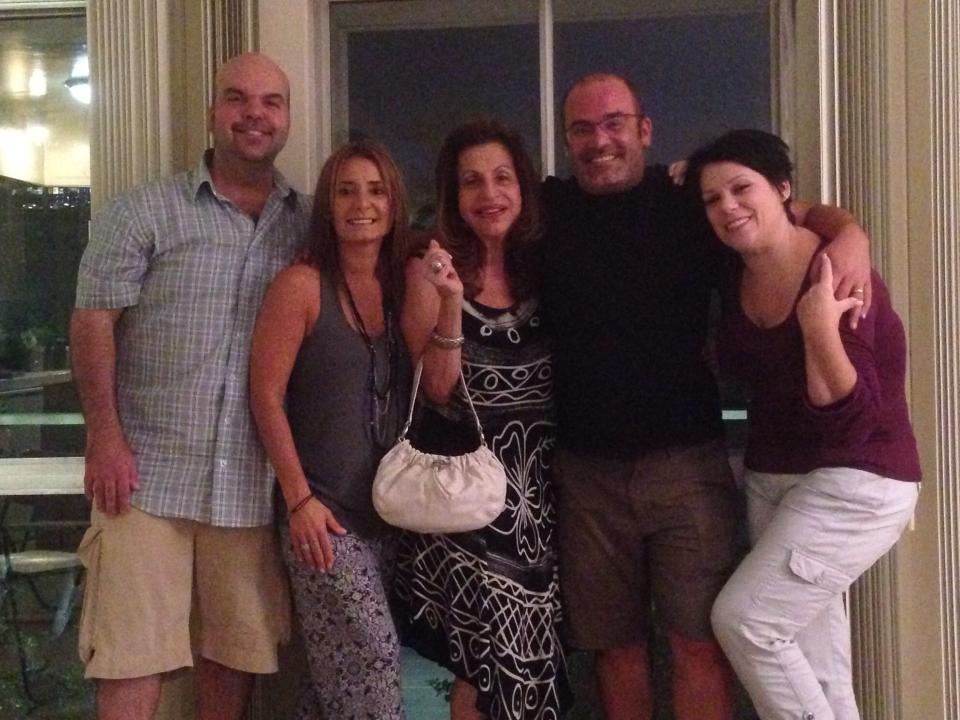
(159, 591)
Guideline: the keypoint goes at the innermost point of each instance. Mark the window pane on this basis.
(44, 210)
(700, 72)
(406, 73)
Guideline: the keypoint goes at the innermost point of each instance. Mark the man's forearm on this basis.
(826, 221)
(94, 354)
(849, 249)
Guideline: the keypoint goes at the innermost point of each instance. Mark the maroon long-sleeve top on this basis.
(869, 429)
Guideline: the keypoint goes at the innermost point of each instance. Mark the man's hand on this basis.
(820, 309)
(678, 171)
(849, 249)
(110, 475)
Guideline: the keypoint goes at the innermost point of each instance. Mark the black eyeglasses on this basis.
(613, 124)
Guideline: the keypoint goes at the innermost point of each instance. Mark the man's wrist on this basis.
(105, 437)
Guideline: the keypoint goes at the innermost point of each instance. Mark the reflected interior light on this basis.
(37, 84)
(79, 81)
(79, 89)
(15, 69)
(81, 67)
(38, 134)
(19, 156)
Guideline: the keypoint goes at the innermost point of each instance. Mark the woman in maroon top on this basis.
(831, 463)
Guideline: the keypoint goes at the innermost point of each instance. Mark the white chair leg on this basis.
(67, 595)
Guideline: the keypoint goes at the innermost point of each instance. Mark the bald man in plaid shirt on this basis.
(181, 528)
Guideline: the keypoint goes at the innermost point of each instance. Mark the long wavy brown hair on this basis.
(469, 253)
(322, 247)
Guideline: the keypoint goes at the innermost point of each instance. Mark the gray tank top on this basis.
(331, 409)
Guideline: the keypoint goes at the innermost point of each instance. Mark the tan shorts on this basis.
(660, 530)
(160, 590)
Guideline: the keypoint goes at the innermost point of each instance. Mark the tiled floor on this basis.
(420, 679)
(66, 697)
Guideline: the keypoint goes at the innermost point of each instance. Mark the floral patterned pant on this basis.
(351, 642)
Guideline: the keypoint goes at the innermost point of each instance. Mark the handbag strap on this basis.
(413, 402)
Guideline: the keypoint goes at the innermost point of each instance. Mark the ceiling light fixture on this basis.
(79, 81)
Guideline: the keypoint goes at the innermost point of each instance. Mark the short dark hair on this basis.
(759, 150)
(600, 77)
(466, 248)
(321, 249)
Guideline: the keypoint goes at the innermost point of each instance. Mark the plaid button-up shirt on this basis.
(190, 269)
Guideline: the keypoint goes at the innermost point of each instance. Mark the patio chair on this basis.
(27, 565)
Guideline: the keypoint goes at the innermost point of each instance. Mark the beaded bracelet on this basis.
(300, 503)
(446, 343)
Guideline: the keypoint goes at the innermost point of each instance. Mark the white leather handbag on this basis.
(430, 493)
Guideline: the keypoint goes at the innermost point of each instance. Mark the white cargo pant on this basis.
(781, 618)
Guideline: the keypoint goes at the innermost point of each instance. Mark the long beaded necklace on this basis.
(380, 394)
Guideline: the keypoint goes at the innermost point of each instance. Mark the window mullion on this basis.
(325, 33)
(547, 134)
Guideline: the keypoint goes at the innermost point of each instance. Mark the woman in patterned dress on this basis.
(486, 604)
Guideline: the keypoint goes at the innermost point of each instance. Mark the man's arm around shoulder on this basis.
(111, 469)
(848, 248)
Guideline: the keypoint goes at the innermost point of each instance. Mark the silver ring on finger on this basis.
(437, 266)
(305, 546)
(858, 291)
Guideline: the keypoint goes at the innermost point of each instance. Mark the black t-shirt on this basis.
(626, 289)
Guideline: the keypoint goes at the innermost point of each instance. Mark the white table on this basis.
(20, 419)
(41, 476)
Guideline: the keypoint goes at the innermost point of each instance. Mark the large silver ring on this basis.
(858, 291)
(437, 266)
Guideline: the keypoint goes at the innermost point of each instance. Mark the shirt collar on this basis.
(200, 176)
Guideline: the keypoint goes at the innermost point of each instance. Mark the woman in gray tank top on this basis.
(328, 385)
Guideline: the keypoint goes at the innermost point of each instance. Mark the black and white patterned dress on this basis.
(486, 604)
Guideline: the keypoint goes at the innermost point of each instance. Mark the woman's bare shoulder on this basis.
(296, 287)
(299, 275)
